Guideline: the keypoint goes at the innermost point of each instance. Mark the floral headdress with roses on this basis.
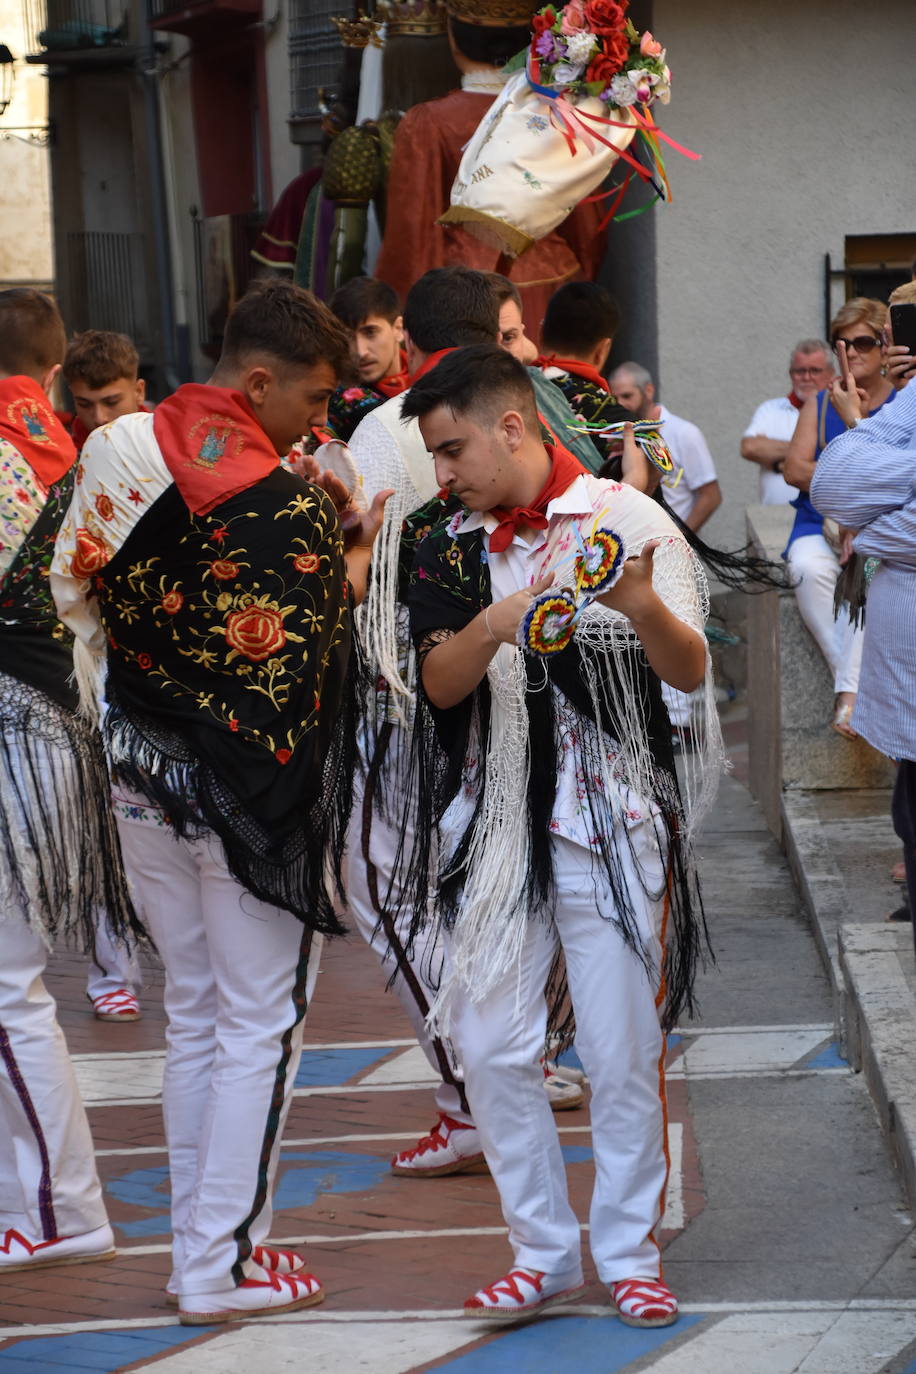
(591, 48)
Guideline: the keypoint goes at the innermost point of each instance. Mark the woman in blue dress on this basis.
(812, 556)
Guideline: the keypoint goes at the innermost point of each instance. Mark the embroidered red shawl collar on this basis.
(28, 422)
(212, 444)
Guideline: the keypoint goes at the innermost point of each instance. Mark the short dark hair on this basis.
(32, 334)
(451, 307)
(579, 315)
(289, 324)
(483, 379)
(99, 357)
(503, 289)
(489, 43)
(363, 297)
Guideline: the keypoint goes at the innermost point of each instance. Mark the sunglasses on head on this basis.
(862, 343)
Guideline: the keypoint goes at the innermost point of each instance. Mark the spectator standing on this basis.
(813, 563)
(865, 480)
(766, 439)
(692, 490)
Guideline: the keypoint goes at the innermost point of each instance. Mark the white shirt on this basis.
(589, 502)
(690, 452)
(775, 419)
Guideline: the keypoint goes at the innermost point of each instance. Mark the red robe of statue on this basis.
(427, 151)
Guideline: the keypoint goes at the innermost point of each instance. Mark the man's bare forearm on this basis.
(767, 452)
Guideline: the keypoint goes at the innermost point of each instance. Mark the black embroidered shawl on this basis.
(230, 702)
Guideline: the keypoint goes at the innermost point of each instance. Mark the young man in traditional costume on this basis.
(371, 311)
(561, 818)
(428, 145)
(59, 860)
(214, 582)
(446, 309)
(101, 369)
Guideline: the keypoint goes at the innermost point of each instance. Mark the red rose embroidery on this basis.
(144, 661)
(103, 505)
(219, 535)
(233, 724)
(256, 633)
(91, 554)
(172, 602)
(306, 563)
(223, 569)
(283, 755)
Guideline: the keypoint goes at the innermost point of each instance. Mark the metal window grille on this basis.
(104, 270)
(314, 53)
(65, 25)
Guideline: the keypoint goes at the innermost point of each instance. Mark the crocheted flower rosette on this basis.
(550, 622)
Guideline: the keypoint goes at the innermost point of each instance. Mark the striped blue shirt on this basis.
(866, 480)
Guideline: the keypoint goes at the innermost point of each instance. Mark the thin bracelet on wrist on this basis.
(486, 622)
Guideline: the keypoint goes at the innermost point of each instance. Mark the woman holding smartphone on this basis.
(856, 333)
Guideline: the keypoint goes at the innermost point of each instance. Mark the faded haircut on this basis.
(288, 324)
(483, 380)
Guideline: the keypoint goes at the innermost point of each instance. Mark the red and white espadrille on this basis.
(644, 1302)
(521, 1292)
(116, 1006)
(268, 1257)
(252, 1298)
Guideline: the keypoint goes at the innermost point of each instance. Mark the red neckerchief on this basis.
(27, 420)
(79, 433)
(576, 368)
(397, 382)
(212, 444)
(430, 363)
(793, 400)
(564, 469)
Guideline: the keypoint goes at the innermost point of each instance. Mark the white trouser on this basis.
(114, 966)
(814, 568)
(48, 1181)
(235, 997)
(679, 705)
(426, 957)
(621, 1045)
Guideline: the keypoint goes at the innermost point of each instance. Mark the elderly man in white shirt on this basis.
(692, 490)
(766, 439)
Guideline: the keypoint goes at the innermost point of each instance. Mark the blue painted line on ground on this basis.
(577, 1154)
(333, 1068)
(829, 1058)
(910, 1369)
(586, 1345)
(103, 1352)
(324, 1171)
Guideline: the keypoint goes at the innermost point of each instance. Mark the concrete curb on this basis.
(822, 889)
(874, 1005)
(881, 1032)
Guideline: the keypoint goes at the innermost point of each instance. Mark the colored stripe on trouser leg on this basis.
(45, 1199)
(300, 1006)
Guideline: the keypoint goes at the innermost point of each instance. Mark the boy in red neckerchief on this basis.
(212, 584)
(59, 859)
(576, 337)
(549, 780)
(102, 371)
(371, 312)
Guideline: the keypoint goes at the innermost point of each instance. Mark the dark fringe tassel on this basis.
(55, 795)
(851, 589)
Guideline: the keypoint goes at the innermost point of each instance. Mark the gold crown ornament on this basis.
(418, 18)
(359, 32)
(494, 14)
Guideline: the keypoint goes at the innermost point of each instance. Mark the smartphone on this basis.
(903, 326)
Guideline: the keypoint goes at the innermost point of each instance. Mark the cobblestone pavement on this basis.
(785, 1232)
